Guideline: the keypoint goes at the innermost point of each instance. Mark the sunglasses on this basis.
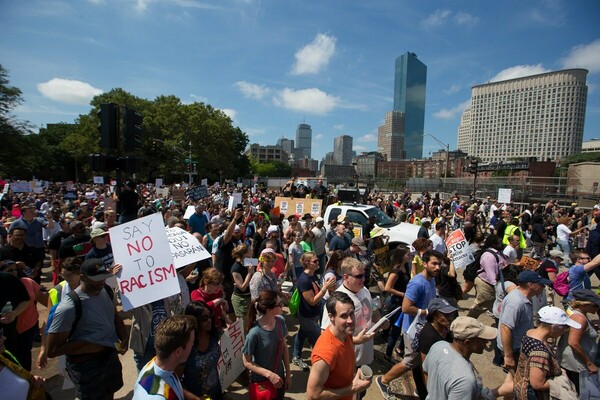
(359, 276)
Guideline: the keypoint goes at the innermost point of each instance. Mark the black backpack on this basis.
(471, 271)
(78, 309)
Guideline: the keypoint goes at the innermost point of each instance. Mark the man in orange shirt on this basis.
(333, 360)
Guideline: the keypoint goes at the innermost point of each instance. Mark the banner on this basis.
(197, 193)
(21, 187)
(230, 364)
(148, 273)
(99, 180)
(185, 248)
(459, 250)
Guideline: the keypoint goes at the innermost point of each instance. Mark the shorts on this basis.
(241, 304)
(98, 377)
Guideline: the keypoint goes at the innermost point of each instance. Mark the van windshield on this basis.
(382, 218)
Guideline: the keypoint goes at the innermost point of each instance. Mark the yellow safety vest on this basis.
(510, 231)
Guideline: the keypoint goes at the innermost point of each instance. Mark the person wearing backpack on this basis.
(87, 329)
(579, 273)
(491, 262)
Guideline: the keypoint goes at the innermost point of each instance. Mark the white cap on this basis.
(556, 316)
(272, 228)
(319, 219)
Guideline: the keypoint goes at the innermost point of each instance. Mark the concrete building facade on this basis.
(390, 136)
(265, 154)
(535, 116)
(342, 150)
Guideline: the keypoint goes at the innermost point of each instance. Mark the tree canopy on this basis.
(172, 131)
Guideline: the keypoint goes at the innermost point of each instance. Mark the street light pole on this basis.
(190, 167)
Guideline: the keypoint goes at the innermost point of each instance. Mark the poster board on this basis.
(234, 199)
(162, 192)
(99, 180)
(530, 264)
(185, 248)
(289, 206)
(197, 193)
(459, 250)
(178, 195)
(148, 273)
(504, 196)
(22, 186)
(230, 364)
(158, 182)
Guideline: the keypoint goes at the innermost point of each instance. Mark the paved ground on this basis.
(492, 376)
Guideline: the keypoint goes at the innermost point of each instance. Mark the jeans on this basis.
(309, 329)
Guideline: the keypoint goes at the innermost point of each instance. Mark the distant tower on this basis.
(390, 136)
(286, 144)
(304, 139)
(410, 81)
(342, 150)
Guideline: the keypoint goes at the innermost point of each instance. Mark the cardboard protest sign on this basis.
(185, 247)
(197, 193)
(148, 273)
(234, 199)
(178, 195)
(230, 364)
(458, 249)
(300, 206)
(529, 263)
(162, 192)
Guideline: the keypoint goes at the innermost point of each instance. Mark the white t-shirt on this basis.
(438, 243)
(562, 233)
(511, 254)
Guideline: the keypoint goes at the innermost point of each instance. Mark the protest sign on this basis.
(162, 192)
(21, 187)
(458, 249)
(90, 195)
(198, 192)
(234, 199)
(70, 185)
(178, 195)
(38, 190)
(99, 180)
(300, 206)
(204, 182)
(230, 364)
(185, 247)
(148, 273)
(158, 182)
(189, 211)
(70, 195)
(529, 263)
(504, 196)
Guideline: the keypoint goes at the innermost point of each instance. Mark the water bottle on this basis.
(376, 303)
(7, 308)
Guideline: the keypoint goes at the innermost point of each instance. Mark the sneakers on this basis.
(297, 361)
(383, 388)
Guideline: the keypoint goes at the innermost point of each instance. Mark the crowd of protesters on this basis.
(343, 291)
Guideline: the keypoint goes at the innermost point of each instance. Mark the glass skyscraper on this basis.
(410, 81)
(304, 139)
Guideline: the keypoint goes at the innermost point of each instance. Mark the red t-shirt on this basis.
(340, 358)
(201, 295)
(29, 317)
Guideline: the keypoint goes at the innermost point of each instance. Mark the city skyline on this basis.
(270, 70)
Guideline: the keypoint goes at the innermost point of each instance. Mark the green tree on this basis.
(270, 169)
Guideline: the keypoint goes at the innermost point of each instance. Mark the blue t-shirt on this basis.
(33, 231)
(198, 223)
(106, 255)
(337, 243)
(578, 279)
(304, 284)
(420, 291)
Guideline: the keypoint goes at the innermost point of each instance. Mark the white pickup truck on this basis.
(398, 232)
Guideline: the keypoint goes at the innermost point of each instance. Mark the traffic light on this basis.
(109, 126)
(473, 167)
(133, 130)
(189, 167)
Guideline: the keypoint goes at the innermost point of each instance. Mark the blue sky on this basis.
(271, 65)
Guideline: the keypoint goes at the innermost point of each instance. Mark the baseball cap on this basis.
(272, 228)
(441, 305)
(469, 328)
(360, 243)
(586, 295)
(341, 218)
(556, 253)
(533, 277)
(95, 269)
(319, 219)
(556, 316)
(97, 232)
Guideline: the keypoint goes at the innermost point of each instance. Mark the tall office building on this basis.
(304, 139)
(342, 150)
(535, 116)
(410, 81)
(390, 136)
(286, 144)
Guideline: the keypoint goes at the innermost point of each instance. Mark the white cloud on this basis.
(369, 137)
(97, 2)
(319, 136)
(450, 113)
(142, 5)
(359, 148)
(463, 18)
(312, 100)
(452, 89)
(519, 71)
(438, 18)
(338, 127)
(231, 113)
(68, 91)
(584, 56)
(315, 56)
(252, 90)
